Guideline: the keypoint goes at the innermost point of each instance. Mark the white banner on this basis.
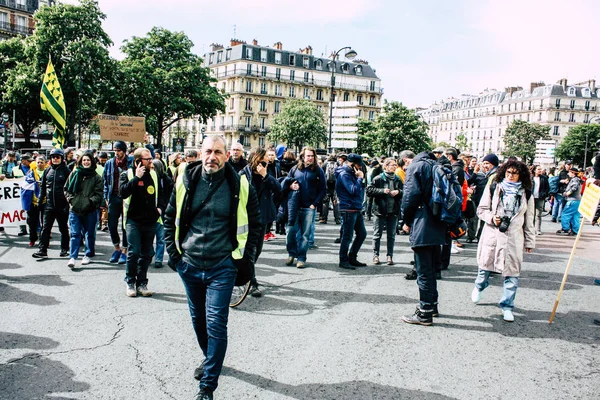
(11, 212)
(345, 128)
(344, 136)
(343, 144)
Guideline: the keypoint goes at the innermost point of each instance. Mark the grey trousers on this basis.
(390, 223)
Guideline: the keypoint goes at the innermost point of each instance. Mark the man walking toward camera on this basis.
(212, 225)
(143, 204)
(349, 189)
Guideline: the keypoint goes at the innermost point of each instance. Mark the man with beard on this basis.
(143, 204)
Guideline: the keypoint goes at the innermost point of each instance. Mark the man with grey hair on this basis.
(237, 160)
(212, 227)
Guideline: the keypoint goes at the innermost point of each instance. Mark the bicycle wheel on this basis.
(547, 209)
(239, 294)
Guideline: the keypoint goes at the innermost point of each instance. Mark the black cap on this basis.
(355, 158)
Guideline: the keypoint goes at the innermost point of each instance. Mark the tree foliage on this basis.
(73, 37)
(573, 145)
(163, 80)
(462, 143)
(520, 138)
(367, 136)
(399, 128)
(300, 123)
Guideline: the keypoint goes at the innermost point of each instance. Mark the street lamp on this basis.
(586, 144)
(350, 55)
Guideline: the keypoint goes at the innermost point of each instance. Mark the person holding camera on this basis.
(507, 209)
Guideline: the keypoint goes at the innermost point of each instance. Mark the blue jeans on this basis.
(571, 218)
(298, 248)
(209, 292)
(115, 210)
(160, 243)
(425, 258)
(557, 207)
(511, 283)
(352, 222)
(141, 251)
(86, 225)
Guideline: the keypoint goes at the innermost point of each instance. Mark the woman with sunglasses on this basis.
(84, 192)
(267, 190)
(507, 209)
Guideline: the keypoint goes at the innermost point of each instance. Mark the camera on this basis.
(504, 223)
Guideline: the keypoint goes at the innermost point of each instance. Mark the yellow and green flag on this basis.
(53, 101)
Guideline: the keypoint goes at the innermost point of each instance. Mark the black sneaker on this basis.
(354, 262)
(411, 276)
(204, 394)
(346, 265)
(438, 275)
(338, 240)
(255, 291)
(435, 312)
(199, 371)
(158, 265)
(22, 233)
(64, 253)
(420, 317)
(40, 254)
(562, 232)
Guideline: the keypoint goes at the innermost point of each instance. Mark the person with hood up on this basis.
(349, 189)
(57, 206)
(84, 192)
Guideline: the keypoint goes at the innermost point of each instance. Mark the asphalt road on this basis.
(318, 333)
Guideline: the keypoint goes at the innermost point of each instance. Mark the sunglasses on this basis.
(55, 156)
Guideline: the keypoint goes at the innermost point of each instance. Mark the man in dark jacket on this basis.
(143, 205)
(477, 183)
(57, 206)
(349, 189)
(426, 234)
(309, 179)
(207, 227)
(237, 160)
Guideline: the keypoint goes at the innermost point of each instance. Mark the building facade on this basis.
(258, 80)
(16, 17)
(483, 119)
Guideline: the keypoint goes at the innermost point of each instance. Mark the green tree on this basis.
(367, 135)
(520, 138)
(573, 145)
(73, 37)
(443, 144)
(163, 80)
(399, 128)
(462, 143)
(299, 123)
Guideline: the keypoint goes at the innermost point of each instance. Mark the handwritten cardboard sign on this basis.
(127, 129)
(11, 212)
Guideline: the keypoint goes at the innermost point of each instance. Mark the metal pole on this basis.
(14, 129)
(586, 150)
(330, 149)
(79, 113)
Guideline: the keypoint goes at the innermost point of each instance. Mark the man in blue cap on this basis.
(350, 192)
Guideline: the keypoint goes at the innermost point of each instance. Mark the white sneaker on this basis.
(71, 263)
(508, 316)
(454, 249)
(86, 260)
(475, 295)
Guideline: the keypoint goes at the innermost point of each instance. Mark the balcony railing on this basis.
(14, 5)
(311, 81)
(253, 129)
(15, 29)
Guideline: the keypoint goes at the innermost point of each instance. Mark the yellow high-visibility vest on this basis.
(242, 215)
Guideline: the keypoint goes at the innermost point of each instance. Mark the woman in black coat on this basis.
(541, 189)
(267, 190)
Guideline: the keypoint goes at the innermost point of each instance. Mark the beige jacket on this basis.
(503, 252)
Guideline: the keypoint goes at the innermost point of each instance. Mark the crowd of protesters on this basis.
(213, 209)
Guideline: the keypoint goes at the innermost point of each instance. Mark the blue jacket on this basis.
(425, 229)
(312, 185)
(349, 189)
(107, 176)
(553, 185)
(266, 189)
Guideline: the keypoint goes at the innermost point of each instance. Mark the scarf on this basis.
(390, 176)
(77, 176)
(510, 196)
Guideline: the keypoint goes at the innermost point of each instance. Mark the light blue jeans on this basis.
(298, 248)
(571, 218)
(511, 283)
(160, 243)
(557, 207)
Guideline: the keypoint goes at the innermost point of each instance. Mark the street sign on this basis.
(1, 126)
(344, 144)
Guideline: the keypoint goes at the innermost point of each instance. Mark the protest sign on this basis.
(11, 212)
(127, 129)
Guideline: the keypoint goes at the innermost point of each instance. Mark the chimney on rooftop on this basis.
(592, 85)
(216, 46)
(563, 83)
(535, 85)
(235, 42)
(278, 45)
(255, 42)
(309, 50)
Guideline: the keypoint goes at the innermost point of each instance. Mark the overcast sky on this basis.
(423, 51)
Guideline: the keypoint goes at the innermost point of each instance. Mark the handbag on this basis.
(470, 210)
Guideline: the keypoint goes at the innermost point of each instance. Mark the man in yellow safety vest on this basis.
(212, 227)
